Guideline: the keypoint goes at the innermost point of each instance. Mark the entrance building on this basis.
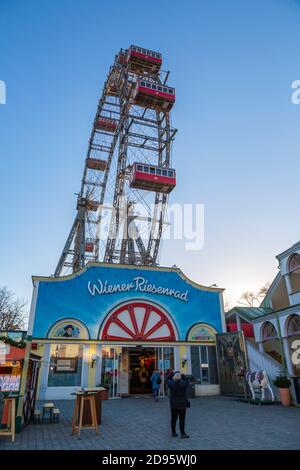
(115, 324)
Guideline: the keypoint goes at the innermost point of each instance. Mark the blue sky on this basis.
(237, 148)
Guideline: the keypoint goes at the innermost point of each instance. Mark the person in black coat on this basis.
(178, 401)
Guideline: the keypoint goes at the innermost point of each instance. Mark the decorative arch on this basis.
(68, 328)
(293, 325)
(268, 331)
(201, 332)
(138, 320)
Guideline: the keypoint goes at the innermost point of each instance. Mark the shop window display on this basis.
(65, 365)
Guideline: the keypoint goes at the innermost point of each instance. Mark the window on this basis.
(170, 173)
(164, 172)
(139, 168)
(165, 90)
(268, 331)
(293, 326)
(171, 91)
(153, 87)
(152, 170)
(158, 171)
(294, 262)
(146, 169)
(148, 85)
(143, 84)
(159, 88)
(65, 365)
(294, 272)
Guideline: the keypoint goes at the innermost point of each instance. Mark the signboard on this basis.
(78, 307)
(10, 383)
(201, 332)
(232, 357)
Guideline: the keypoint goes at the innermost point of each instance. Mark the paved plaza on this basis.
(139, 423)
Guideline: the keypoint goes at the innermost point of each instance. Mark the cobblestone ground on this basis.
(139, 423)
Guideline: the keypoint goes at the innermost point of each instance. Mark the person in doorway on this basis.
(156, 381)
(143, 375)
(178, 402)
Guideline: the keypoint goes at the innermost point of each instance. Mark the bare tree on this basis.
(12, 313)
(254, 299)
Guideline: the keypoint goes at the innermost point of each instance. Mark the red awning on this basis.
(246, 327)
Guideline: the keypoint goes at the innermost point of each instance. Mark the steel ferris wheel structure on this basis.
(121, 207)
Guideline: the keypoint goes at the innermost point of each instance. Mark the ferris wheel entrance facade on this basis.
(121, 207)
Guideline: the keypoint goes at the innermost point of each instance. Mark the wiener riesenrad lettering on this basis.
(138, 284)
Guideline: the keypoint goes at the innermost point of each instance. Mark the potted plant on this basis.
(283, 383)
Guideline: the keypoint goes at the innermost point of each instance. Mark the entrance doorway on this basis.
(127, 370)
(142, 363)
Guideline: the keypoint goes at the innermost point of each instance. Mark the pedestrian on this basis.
(143, 375)
(156, 381)
(178, 385)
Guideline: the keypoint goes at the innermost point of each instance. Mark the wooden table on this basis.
(84, 398)
(10, 406)
(87, 418)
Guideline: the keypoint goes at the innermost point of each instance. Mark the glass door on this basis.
(110, 370)
(165, 364)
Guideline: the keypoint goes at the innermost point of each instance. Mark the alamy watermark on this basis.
(295, 98)
(183, 222)
(2, 92)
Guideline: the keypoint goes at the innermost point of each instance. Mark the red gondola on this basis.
(154, 95)
(141, 60)
(152, 178)
(89, 247)
(106, 124)
(96, 164)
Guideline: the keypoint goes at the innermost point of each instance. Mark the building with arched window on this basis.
(114, 324)
(276, 322)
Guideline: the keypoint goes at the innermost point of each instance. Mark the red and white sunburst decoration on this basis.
(138, 321)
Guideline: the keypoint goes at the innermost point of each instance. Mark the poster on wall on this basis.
(66, 365)
(231, 353)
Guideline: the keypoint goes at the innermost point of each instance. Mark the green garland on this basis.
(11, 342)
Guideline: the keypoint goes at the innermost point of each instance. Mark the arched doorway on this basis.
(140, 326)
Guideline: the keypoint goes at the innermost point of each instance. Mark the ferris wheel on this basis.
(121, 206)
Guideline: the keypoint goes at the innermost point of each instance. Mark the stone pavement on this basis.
(139, 423)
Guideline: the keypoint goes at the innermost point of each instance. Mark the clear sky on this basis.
(237, 149)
